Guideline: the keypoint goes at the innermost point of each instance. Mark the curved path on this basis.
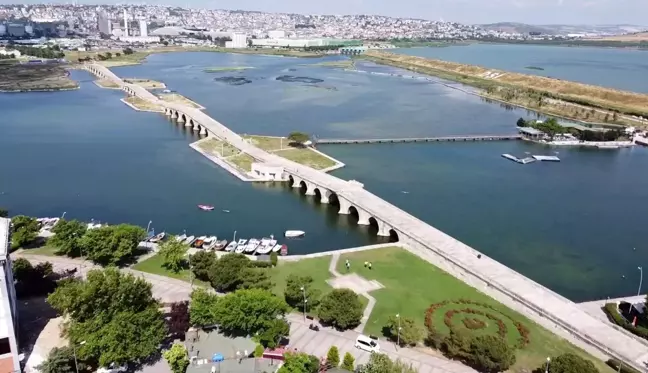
(558, 314)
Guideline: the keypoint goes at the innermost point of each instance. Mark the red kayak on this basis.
(206, 207)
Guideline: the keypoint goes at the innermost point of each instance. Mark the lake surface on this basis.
(571, 226)
(625, 69)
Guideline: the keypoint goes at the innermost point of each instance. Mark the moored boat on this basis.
(220, 244)
(199, 242)
(189, 240)
(276, 248)
(158, 237)
(293, 234)
(206, 207)
(209, 242)
(232, 246)
(252, 244)
(181, 238)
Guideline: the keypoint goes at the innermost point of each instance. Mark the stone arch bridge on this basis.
(545, 307)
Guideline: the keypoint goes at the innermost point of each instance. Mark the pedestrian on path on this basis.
(369, 265)
(238, 356)
(348, 265)
(366, 264)
(213, 369)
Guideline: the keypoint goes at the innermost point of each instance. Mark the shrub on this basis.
(348, 362)
(333, 357)
(620, 367)
(570, 363)
(258, 351)
(492, 354)
(341, 308)
(410, 333)
(473, 324)
(614, 316)
(434, 340)
(274, 258)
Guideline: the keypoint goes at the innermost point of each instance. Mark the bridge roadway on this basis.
(556, 313)
(420, 139)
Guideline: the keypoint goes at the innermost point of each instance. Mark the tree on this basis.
(249, 311)
(410, 333)
(341, 308)
(570, 363)
(67, 237)
(299, 363)
(294, 296)
(114, 313)
(273, 333)
(225, 274)
(24, 230)
(381, 363)
(60, 360)
(4, 213)
(348, 362)
(173, 252)
(491, 354)
(255, 278)
(178, 321)
(112, 244)
(128, 51)
(521, 122)
(202, 309)
(177, 358)
(201, 264)
(298, 137)
(33, 281)
(333, 357)
(258, 351)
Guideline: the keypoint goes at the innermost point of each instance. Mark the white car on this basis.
(367, 344)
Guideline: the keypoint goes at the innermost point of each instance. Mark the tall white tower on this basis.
(125, 23)
(143, 28)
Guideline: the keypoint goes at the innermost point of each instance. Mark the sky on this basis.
(462, 11)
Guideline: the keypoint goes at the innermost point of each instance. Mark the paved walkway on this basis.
(318, 344)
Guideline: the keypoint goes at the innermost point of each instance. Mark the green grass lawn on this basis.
(267, 143)
(154, 265)
(43, 250)
(307, 157)
(243, 161)
(412, 285)
(217, 147)
(317, 268)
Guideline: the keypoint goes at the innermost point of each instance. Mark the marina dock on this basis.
(420, 139)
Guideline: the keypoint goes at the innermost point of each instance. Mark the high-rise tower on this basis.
(125, 23)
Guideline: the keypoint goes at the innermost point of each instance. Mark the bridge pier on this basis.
(167, 112)
(196, 127)
(203, 131)
(363, 217)
(310, 189)
(181, 118)
(344, 206)
(383, 229)
(324, 196)
(296, 182)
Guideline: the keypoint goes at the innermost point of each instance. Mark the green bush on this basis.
(348, 362)
(489, 353)
(258, 351)
(274, 258)
(333, 357)
(615, 364)
(614, 316)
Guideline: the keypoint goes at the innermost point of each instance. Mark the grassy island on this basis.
(142, 105)
(281, 147)
(547, 95)
(534, 68)
(145, 83)
(179, 99)
(226, 68)
(24, 77)
(106, 83)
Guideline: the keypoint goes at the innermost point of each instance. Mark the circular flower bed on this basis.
(474, 314)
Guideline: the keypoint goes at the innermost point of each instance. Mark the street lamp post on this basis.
(62, 216)
(548, 362)
(303, 289)
(398, 331)
(148, 226)
(640, 279)
(76, 366)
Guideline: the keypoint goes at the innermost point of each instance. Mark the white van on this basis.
(365, 343)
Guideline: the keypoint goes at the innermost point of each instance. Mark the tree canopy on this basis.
(381, 363)
(299, 363)
(114, 313)
(60, 360)
(491, 354)
(202, 309)
(251, 311)
(201, 263)
(24, 230)
(225, 273)
(4, 213)
(67, 238)
(177, 358)
(348, 362)
(112, 244)
(341, 308)
(173, 253)
(255, 278)
(298, 137)
(178, 319)
(33, 280)
(294, 296)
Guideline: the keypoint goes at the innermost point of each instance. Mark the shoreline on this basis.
(40, 90)
(138, 109)
(483, 79)
(222, 163)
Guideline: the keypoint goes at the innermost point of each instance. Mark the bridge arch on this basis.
(182, 118)
(393, 236)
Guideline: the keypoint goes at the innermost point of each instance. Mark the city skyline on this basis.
(462, 11)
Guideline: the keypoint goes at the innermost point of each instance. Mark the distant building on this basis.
(9, 361)
(5, 52)
(140, 39)
(238, 41)
(276, 34)
(3, 29)
(104, 24)
(16, 29)
(125, 23)
(143, 28)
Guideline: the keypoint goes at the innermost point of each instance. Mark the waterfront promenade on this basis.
(542, 305)
(420, 139)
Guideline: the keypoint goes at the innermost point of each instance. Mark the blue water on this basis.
(625, 69)
(571, 226)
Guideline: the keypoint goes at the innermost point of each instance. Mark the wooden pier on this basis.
(420, 139)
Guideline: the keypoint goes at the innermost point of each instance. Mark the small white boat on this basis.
(276, 248)
(232, 246)
(209, 242)
(166, 91)
(206, 207)
(219, 245)
(242, 242)
(240, 246)
(189, 240)
(181, 238)
(252, 244)
(293, 234)
(158, 237)
(265, 241)
(267, 247)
